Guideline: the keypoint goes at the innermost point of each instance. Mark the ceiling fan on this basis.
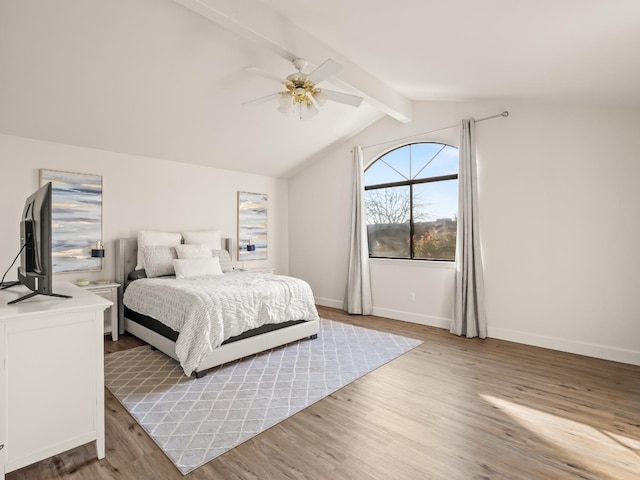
(301, 98)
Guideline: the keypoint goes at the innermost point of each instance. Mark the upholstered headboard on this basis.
(126, 260)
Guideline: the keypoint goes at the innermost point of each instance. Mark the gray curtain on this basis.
(357, 299)
(469, 316)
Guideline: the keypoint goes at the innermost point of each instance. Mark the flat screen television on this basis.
(35, 270)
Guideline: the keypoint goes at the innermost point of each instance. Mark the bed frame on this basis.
(126, 259)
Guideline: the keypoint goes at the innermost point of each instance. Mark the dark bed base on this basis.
(166, 332)
(162, 329)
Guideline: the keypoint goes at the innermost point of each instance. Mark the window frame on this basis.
(410, 183)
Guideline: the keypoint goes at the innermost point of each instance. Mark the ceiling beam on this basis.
(255, 21)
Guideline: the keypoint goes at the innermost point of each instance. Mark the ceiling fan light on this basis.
(285, 110)
(286, 106)
(312, 111)
(285, 99)
(305, 112)
(320, 98)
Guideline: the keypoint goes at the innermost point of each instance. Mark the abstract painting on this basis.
(76, 218)
(252, 226)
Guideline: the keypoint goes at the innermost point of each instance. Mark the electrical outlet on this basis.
(412, 296)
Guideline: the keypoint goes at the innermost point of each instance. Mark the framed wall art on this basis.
(76, 217)
(252, 226)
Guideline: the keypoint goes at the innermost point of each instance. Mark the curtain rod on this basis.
(503, 114)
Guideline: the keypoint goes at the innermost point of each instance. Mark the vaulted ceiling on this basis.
(166, 78)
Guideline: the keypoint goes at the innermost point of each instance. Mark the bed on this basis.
(269, 304)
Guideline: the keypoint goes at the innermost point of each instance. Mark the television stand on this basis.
(63, 342)
(9, 284)
(32, 294)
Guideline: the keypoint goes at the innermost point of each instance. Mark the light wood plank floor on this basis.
(452, 408)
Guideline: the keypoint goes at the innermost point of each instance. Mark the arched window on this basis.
(411, 196)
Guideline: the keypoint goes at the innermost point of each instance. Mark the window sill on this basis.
(415, 263)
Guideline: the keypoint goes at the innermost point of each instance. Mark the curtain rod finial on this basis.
(505, 113)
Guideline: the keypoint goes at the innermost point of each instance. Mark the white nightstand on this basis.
(110, 292)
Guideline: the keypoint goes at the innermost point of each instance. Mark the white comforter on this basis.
(208, 311)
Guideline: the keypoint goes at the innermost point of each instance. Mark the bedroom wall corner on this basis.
(558, 199)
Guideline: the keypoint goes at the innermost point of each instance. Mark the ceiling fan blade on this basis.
(258, 101)
(340, 97)
(324, 71)
(262, 73)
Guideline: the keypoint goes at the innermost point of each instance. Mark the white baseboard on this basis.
(421, 319)
(329, 302)
(604, 352)
(394, 314)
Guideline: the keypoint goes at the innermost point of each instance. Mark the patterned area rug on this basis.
(196, 420)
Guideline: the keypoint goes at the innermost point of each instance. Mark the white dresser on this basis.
(51, 374)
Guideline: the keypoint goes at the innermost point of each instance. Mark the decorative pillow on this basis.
(211, 239)
(157, 260)
(155, 239)
(225, 260)
(192, 250)
(197, 267)
(137, 274)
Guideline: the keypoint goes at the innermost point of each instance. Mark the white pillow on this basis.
(155, 239)
(211, 239)
(225, 260)
(157, 260)
(193, 251)
(197, 267)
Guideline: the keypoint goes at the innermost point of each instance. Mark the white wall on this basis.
(558, 201)
(139, 193)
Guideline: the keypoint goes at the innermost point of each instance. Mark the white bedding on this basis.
(208, 311)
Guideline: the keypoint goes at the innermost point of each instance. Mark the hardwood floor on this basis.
(452, 408)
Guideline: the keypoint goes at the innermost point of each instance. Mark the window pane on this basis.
(435, 210)
(425, 165)
(391, 167)
(388, 222)
(379, 173)
(433, 220)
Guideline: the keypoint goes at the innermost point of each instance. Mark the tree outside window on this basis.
(411, 197)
